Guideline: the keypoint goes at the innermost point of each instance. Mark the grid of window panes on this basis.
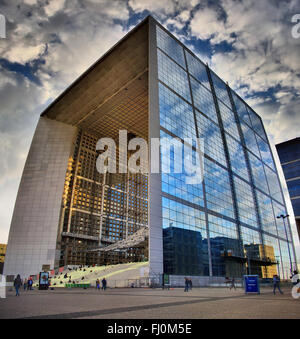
(250, 139)
(287, 257)
(257, 124)
(178, 184)
(274, 185)
(212, 139)
(198, 70)
(218, 189)
(273, 254)
(241, 109)
(259, 177)
(266, 212)
(281, 224)
(265, 152)
(170, 47)
(203, 100)
(173, 75)
(220, 226)
(176, 116)
(220, 89)
(176, 214)
(237, 157)
(245, 202)
(251, 241)
(229, 122)
(224, 243)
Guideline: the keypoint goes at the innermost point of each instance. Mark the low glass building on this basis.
(152, 86)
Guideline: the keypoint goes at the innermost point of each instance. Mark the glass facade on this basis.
(226, 225)
(289, 155)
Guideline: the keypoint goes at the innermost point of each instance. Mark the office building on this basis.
(289, 155)
(152, 86)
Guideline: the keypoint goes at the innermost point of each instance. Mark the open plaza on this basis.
(150, 303)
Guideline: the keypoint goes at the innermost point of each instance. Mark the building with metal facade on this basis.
(151, 85)
(289, 155)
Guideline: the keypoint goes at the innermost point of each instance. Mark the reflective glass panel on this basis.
(241, 109)
(259, 177)
(198, 70)
(250, 139)
(212, 139)
(266, 213)
(282, 224)
(177, 184)
(245, 201)
(176, 115)
(218, 189)
(274, 185)
(237, 157)
(287, 258)
(252, 250)
(224, 244)
(173, 76)
(185, 248)
(229, 122)
(272, 253)
(257, 124)
(220, 89)
(170, 46)
(203, 100)
(265, 152)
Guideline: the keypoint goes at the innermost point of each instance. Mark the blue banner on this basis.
(251, 284)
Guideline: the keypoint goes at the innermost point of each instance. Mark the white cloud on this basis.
(24, 53)
(264, 57)
(54, 6)
(206, 25)
(157, 6)
(67, 51)
(30, 2)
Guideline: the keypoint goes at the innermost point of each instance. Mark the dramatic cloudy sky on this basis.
(50, 43)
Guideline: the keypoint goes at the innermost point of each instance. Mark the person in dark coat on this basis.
(186, 284)
(17, 284)
(29, 284)
(104, 283)
(25, 284)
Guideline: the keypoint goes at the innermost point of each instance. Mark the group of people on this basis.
(187, 284)
(104, 284)
(18, 282)
(27, 283)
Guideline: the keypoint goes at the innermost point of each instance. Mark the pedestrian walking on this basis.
(232, 285)
(25, 284)
(98, 284)
(276, 284)
(29, 284)
(186, 284)
(104, 283)
(17, 284)
(190, 284)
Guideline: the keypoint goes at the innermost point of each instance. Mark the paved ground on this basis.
(200, 303)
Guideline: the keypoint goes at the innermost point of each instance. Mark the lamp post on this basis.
(284, 217)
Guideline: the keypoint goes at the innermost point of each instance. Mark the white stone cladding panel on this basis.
(35, 221)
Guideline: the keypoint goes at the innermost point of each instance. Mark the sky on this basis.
(49, 43)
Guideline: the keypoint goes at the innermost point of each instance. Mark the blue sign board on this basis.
(251, 284)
